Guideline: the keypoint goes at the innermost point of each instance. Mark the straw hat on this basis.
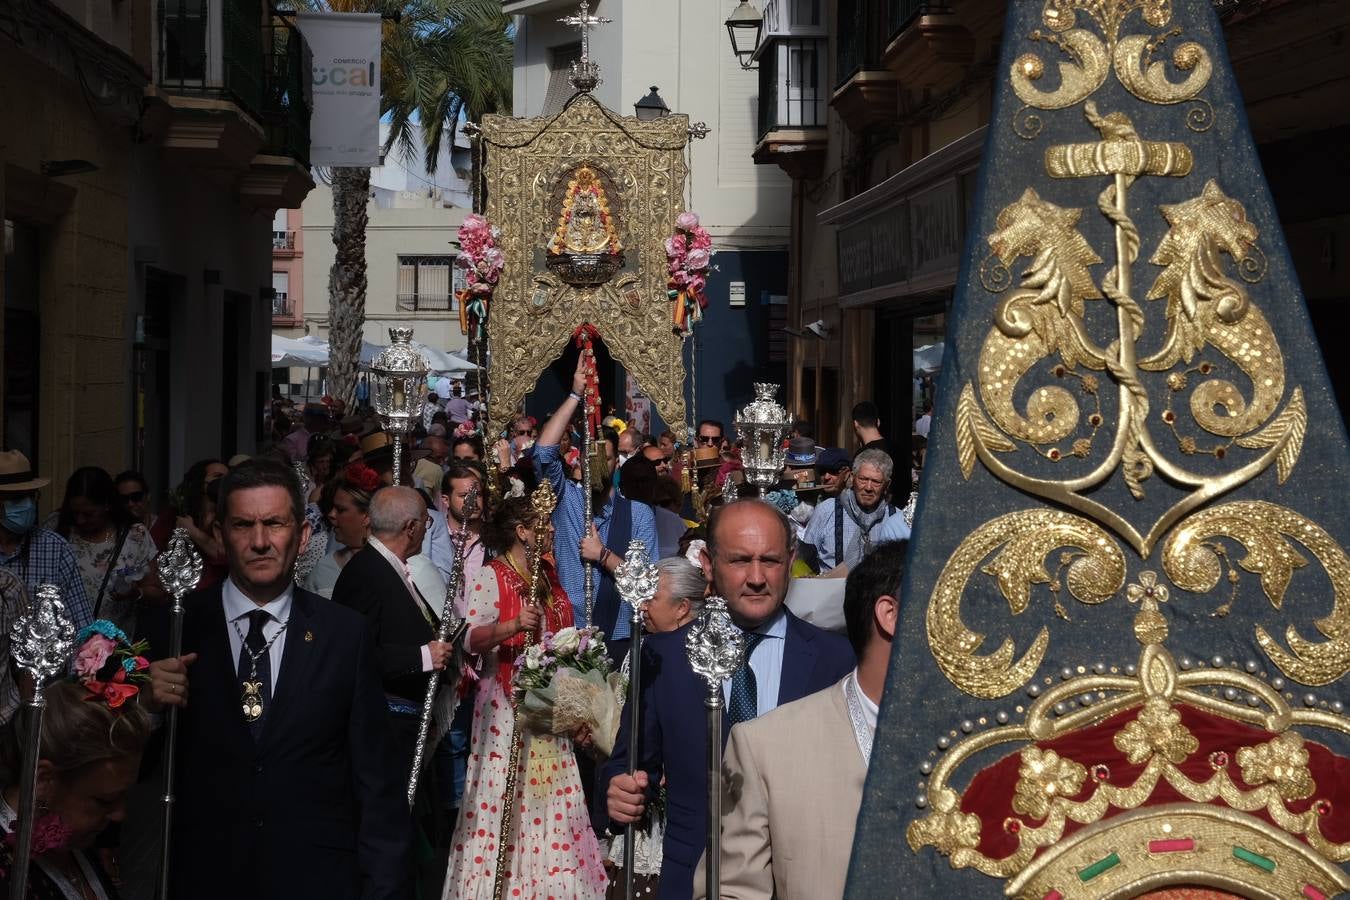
(16, 474)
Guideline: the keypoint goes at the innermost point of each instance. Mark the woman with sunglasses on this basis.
(133, 492)
(113, 552)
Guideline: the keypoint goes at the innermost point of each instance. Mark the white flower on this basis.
(566, 642)
(695, 551)
(534, 657)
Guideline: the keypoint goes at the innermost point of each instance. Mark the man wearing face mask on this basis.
(35, 555)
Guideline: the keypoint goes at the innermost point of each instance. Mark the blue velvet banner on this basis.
(1127, 578)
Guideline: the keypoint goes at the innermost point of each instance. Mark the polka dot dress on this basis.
(553, 853)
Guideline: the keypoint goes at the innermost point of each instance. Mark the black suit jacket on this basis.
(674, 737)
(315, 807)
(399, 630)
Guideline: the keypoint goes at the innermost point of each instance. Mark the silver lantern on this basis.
(763, 426)
(400, 389)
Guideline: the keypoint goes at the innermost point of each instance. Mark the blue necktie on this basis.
(744, 691)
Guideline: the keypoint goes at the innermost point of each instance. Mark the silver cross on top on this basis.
(585, 74)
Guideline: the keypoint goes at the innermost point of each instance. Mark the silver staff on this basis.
(42, 640)
(637, 580)
(180, 568)
(450, 631)
(716, 650)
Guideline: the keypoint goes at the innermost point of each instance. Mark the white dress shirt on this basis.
(766, 661)
(402, 569)
(238, 606)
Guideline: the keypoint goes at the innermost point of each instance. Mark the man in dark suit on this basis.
(376, 583)
(287, 785)
(748, 559)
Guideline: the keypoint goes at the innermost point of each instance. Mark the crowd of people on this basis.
(313, 631)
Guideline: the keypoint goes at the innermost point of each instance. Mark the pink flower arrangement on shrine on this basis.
(482, 260)
(688, 260)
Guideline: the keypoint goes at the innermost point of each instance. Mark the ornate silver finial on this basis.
(698, 131)
(42, 638)
(912, 505)
(763, 425)
(400, 383)
(636, 578)
(180, 566)
(302, 474)
(585, 73)
(307, 559)
(715, 645)
(731, 491)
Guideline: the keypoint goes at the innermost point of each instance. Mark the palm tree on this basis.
(440, 61)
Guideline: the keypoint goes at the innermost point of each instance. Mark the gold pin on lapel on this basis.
(309, 636)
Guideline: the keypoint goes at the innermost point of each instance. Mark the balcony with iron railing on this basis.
(283, 240)
(927, 43)
(793, 97)
(285, 111)
(425, 301)
(865, 92)
(229, 96)
(283, 307)
(212, 49)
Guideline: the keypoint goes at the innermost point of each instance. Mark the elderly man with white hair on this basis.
(844, 529)
(377, 582)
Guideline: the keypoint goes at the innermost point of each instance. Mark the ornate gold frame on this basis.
(534, 313)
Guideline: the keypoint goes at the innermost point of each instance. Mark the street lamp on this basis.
(400, 375)
(762, 426)
(651, 107)
(744, 25)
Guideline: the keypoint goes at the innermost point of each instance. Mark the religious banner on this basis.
(584, 201)
(1123, 652)
(344, 129)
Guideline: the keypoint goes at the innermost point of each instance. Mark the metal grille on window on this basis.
(560, 89)
(426, 283)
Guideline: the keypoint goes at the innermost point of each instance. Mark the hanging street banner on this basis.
(345, 127)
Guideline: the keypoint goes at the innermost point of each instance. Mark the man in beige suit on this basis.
(793, 778)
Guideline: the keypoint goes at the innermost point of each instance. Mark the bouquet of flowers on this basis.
(564, 682)
(688, 260)
(109, 665)
(482, 261)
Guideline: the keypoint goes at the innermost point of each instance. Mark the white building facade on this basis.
(410, 255)
(682, 49)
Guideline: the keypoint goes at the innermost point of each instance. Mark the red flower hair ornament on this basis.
(362, 476)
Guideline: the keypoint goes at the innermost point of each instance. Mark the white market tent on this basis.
(310, 351)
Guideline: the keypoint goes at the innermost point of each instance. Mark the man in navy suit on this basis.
(748, 559)
(287, 784)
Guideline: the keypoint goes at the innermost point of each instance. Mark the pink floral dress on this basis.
(554, 854)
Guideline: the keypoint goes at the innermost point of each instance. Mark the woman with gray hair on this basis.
(678, 600)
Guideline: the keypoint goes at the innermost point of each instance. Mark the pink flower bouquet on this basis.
(688, 260)
(482, 261)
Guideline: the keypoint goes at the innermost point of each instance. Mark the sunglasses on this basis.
(709, 439)
(134, 497)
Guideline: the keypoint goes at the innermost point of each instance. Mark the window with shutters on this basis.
(429, 283)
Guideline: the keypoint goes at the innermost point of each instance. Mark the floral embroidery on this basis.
(1045, 775)
(1158, 730)
(1282, 762)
